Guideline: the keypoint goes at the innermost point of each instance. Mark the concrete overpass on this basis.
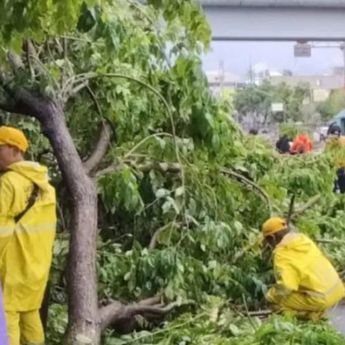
(276, 20)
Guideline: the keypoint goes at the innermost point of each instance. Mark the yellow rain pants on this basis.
(306, 282)
(24, 328)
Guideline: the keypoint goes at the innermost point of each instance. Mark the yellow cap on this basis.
(273, 225)
(14, 137)
(340, 163)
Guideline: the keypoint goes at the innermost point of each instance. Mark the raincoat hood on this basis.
(33, 171)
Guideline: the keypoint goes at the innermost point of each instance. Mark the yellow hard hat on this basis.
(340, 163)
(273, 225)
(14, 137)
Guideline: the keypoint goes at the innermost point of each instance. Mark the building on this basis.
(220, 80)
(320, 85)
(325, 82)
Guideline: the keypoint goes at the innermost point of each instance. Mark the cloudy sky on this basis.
(238, 56)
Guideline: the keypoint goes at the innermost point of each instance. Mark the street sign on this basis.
(320, 95)
(277, 107)
(302, 50)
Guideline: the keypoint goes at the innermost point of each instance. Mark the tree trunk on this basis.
(83, 326)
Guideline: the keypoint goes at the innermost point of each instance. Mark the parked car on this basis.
(338, 120)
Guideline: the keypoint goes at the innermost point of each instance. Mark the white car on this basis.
(320, 134)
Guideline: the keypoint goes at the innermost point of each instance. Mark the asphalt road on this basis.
(337, 318)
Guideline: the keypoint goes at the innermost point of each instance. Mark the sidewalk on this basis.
(337, 318)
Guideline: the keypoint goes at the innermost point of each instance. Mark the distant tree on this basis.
(292, 99)
(334, 103)
(256, 101)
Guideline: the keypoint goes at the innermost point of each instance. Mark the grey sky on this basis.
(237, 57)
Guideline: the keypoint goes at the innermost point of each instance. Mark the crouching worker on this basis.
(27, 231)
(306, 282)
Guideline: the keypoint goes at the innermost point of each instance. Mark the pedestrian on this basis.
(301, 144)
(335, 144)
(283, 144)
(306, 282)
(334, 130)
(27, 232)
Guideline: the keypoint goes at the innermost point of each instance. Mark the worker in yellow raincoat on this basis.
(306, 282)
(27, 231)
(335, 148)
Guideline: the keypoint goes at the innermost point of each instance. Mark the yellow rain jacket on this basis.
(335, 147)
(25, 247)
(305, 279)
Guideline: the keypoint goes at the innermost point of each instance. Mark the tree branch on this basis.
(110, 169)
(111, 314)
(77, 88)
(249, 184)
(116, 312)
(163, 167)
(155, 236)
(104, 139)
(100, 150)
(330, 241)
(22, 101)
(310, 203)
(260, 313)
(30, 51)
(34, 61)
(15, 61)
(151, 300)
